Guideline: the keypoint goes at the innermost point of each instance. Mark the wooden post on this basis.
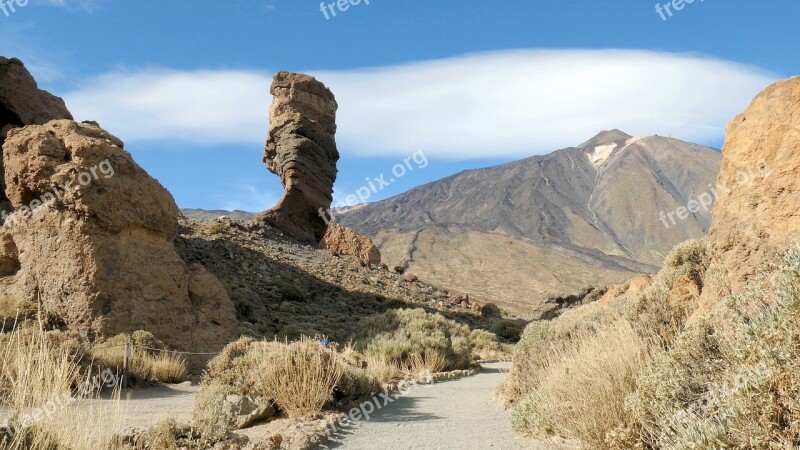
(125, 367)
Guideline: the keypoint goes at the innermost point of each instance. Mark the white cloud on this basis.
(507, 103)
(200, 107)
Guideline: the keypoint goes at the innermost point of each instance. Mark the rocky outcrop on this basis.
(344, 241)
(91, 240)
(632, 288)
(23, 103)
(756, 213)
(301, 149)
(243, 412)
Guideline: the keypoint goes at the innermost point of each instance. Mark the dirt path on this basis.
(458, 414)
(144, 407)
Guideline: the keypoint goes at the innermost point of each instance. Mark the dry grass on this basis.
(633, 374)
(383, 368)
(602, 349)
(431, 360)
(168, 367)
(36, 381)
(144, 366)
(300, 376)
(579, 391)
(486, 347)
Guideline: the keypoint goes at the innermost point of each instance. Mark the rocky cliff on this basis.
(91, 241)
(344, 241)
(758, 212)
(23, 103)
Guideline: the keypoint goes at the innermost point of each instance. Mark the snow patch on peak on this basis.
(600, 154)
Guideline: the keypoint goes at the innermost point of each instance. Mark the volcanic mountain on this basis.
(527, 233)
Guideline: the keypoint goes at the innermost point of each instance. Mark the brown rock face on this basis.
(301, 149)
(342, 240)
(756, 216)
(92, 239)
(23, 103)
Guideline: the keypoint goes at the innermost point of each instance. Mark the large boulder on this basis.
(301, 149)
(23, 103)
(91, 240)
(756, 214)
(343, 240)
(243, 412)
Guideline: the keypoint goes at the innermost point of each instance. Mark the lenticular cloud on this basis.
(508, 103)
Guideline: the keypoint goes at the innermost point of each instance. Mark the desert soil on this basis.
(459, 414)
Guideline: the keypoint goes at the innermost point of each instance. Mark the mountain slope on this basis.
(205, 214)
(579, 216)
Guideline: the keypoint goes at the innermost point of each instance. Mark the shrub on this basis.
(578, 391)
(236, 365)
(651, 313)
(218, 228)
(292, 293)
(210, 421)
(400, 269)
(507, 329)
(356, 383)
(300, 377)
(486, 347)
(38, 375)
(149, 361)
(397, 336)
(358, 378)
(733, 379)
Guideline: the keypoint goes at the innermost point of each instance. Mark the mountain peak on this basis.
(606, 137)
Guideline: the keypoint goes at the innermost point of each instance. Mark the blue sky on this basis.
(470, 84)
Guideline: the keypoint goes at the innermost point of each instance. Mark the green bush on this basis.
(292, 293)
(733, 379)
(218, 228)
(507, 329)
(208, 416)
(399, 336)
(650, 313)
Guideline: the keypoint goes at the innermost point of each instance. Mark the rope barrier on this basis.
(155, 350)
(173, 351)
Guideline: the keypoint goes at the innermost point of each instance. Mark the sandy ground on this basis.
(144, 406)
(459, 414)
(149, 406)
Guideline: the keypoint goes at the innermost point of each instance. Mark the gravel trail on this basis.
(459, 414)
